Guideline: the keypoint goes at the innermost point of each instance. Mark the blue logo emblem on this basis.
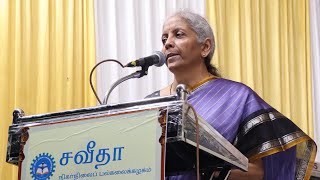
(42, 167)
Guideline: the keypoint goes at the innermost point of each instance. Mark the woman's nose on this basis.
(169, 43)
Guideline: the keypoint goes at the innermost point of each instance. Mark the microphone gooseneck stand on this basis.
(137, 74)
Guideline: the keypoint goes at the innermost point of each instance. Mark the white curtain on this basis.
(127, 30)
(315, 58)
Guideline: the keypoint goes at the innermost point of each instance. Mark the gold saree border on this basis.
(254, 122)
(258, 155)
(304, 168)
(200, 83)
(305, 163)
(270, 116)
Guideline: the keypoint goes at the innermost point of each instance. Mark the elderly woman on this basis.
(265, 136)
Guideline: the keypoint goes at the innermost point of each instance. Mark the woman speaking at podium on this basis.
(268, 139)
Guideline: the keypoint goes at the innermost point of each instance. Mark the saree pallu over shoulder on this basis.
(255, 128)
(267, 132)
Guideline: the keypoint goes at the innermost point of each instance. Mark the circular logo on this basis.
(42, 167)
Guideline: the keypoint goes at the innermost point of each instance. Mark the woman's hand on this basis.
(255, 171)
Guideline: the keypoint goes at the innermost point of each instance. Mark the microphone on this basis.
(157, 59)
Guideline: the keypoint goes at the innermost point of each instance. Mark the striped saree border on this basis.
(270, 116)
(277, 145)
(304, 164)
(254, 122)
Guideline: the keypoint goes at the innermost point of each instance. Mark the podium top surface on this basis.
(21, 120)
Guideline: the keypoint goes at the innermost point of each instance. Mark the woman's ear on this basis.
(206, 47)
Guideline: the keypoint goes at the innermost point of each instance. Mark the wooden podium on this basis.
(145, 139)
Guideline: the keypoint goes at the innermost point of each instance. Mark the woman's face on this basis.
(180, 45)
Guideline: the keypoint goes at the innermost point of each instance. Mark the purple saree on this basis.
(255, 128)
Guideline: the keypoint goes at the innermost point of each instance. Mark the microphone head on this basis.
(162, 58)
